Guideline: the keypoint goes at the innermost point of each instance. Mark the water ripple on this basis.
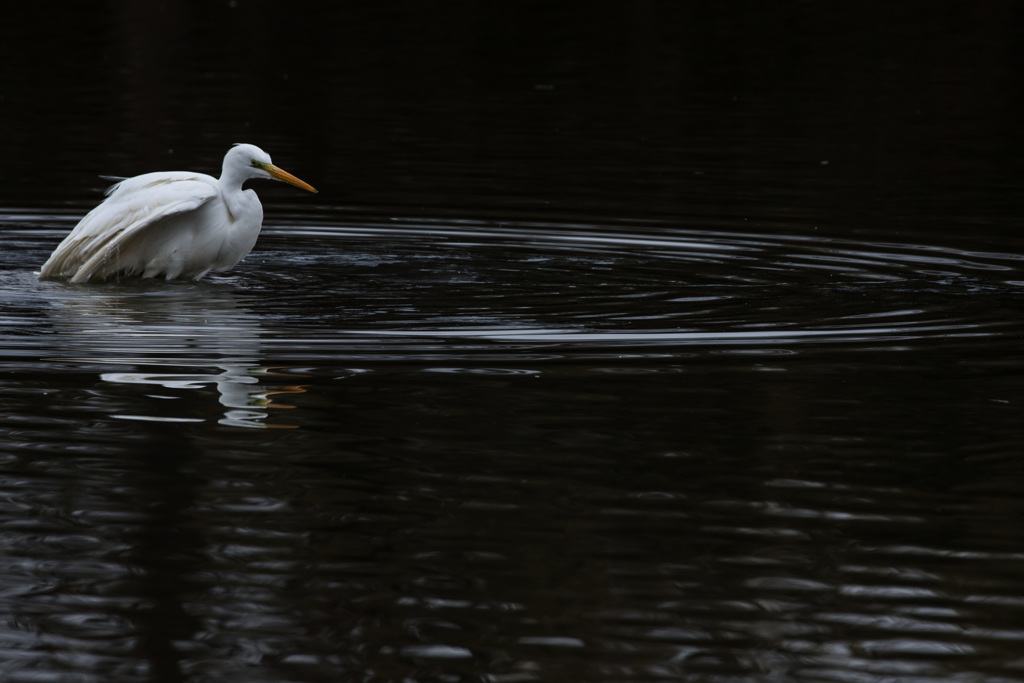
(312, 289)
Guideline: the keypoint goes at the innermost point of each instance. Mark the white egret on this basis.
(173, 224)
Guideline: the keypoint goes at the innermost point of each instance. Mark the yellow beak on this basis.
(280, 174)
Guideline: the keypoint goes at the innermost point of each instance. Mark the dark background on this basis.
(625, 109)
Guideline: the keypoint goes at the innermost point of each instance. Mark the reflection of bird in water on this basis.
(173, 224)
(186, 338)
(238, 387)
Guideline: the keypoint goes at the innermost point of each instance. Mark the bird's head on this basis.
(250, 161)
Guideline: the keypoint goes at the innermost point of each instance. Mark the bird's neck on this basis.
(230, 185)
(231, 179)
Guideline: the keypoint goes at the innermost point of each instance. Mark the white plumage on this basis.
(171, 224)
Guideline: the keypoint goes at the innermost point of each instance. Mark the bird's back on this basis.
(91, 250)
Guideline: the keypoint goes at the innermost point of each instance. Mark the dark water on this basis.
(624, 342)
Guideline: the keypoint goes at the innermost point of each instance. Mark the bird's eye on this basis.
(255, 164)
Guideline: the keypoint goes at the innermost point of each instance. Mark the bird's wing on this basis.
(131, 205)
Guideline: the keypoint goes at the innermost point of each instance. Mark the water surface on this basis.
(518, 450)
